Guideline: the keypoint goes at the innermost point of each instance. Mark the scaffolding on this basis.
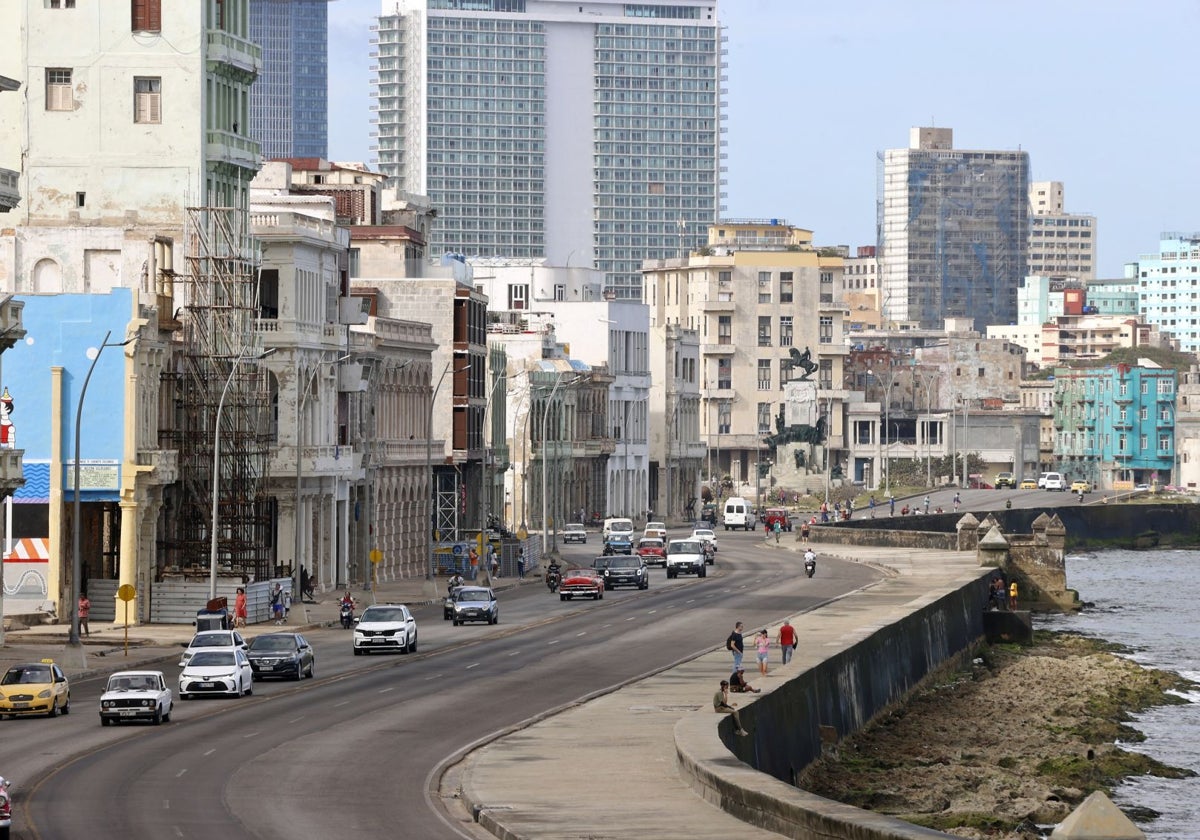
(220, 380)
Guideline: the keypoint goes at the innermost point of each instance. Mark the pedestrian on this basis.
(735, 645)
(762, 648)
(473, 560)
(787, 640)
(957, 502)
(277, 603)
(287, 603)
(926, 505)
(871, 505)
(493, 561)
(1012, 594)
(85, 607)
(891, 505)
(777, 528)
(521, 562)
(721, 705)
(239, 608)
(806, 529)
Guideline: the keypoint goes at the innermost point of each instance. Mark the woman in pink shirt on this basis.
(762, 645)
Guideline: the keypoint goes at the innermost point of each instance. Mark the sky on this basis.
(1098, 93)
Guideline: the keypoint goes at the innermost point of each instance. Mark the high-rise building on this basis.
(1061, 244)
(1167, 283)
(289, 114)
(585, 134)
(953, 231)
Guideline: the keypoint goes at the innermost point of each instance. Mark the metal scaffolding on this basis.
(219, 379)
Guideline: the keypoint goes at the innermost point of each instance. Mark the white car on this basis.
(686, 557)
(213, 640)
(574, 532)
(385, 627)
(706, 535)
(135, 695)
(217, 671)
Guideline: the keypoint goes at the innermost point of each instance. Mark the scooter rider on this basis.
(553, 575)
(455, 580)
(347, 609)
(810, 562)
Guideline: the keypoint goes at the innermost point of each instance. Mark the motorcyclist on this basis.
(347, 604)
(608, 549)
(553, 575)
(810, 561)
(455, 580)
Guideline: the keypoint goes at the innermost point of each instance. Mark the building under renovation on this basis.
(953, 231)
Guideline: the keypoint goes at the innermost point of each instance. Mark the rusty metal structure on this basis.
(219, 381)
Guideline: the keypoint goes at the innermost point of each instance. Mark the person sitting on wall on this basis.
(737, 682)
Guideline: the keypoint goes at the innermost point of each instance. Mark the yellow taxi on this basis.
(1081, 487)
(1029, 484)
(35, 688)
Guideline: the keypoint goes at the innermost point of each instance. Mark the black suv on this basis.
(626, 571)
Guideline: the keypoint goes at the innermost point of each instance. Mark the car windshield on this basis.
(624, 563)
(650, 544)
(132, 682)
(574, 526)
(656, 526)
(687, 547)
(212, 657)
(384, 614)
(273, 643)
(583, 572)
(702, 534)
(213, 640)
(475, 595)
(27, 675)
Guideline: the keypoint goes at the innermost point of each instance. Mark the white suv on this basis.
(1053, 481)
(385, 627)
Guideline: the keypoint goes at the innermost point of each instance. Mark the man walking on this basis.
(787, 640)
(735, 645)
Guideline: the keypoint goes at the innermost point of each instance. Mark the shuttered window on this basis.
(58, 89)
(147, 15)
(147, 100)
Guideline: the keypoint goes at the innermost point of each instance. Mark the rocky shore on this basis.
(1006, 748)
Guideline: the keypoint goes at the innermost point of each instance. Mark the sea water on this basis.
(1149, 601)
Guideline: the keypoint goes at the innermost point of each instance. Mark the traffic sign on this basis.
(126, 592)
(376, 555)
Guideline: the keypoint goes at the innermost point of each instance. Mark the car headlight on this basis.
(44, 694)
(105, 704)
(147, 702)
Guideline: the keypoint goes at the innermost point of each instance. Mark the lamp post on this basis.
(76, 559)
(216, 475)
(927, 380)
(828, 431)
(429, 469)
(545, 418)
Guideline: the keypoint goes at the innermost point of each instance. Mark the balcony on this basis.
(718, 306)
(10, 195)
(718, 349)
(164, 464)
(228, 49)
(317, 461)
(234, 149)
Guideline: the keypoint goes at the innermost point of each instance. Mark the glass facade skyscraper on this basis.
(289, 114)
(585, 135)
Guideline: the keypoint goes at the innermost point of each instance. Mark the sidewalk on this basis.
(636, 738)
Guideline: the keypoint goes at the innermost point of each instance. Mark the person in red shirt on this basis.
(787, 640)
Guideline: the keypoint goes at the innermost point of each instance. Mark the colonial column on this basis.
(54, 575)
(127, 564)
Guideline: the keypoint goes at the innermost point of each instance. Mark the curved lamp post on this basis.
(76, 560)
(545, 417)
(429, 468)
(212, 559)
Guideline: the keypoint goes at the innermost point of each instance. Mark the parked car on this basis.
(135, 695)
(1081, 486)
(580, 582)
(1005, 480)
(652, 551)
(217, 671)
(772, 515)
(656, 529)
(385, 627)
(1029, 484)
(213, 639)
(35, 688)
(1053, 481)
(619, 544)
(574, 532)
(686, 557)
(475, 603)
(281, 655)
(626, 571)
(5, 808)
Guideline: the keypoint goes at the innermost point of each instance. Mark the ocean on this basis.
(1148, 601)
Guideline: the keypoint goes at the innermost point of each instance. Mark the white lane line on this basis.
(472, 665)
(652, 612)
(690, 600)
(251, 735)
(584, 633)
(384, 690)
(296, 720)
(514, 653)
(210, 752)
(552, 642)
(167, 805)
(605, 626)
(632, 618)
(434, 677)
(181, 772)
(343, 703)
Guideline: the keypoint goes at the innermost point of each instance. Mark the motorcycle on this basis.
(347, 615)
(553, 579)
(810, 567)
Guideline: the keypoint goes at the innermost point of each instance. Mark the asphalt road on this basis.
(359, 749)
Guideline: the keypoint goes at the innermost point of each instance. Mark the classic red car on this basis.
(780, 515)
(581, 582)
(652, 551)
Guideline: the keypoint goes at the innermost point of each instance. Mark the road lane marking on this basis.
(166, 804)
(652, 612)
(293, 720)
(632, 618)
(210, 752)
(343, 703)
(181, 772)
(434, 677)
(689, 600)
(552, 642)
(472, 665)
(604, 626)
(251, 735)
(384, 690)
(584, 633)
(514, 653)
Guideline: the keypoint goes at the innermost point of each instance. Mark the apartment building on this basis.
(1061, 244)
(1168, 285)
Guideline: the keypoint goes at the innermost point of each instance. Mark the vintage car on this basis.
(618, 544)
(5, 808)
(574, 532)
(652, 551)
(656, 529)
(626, 571)
(707, 536)
(35, 688)
(581, 582)
(777, 514)
(135, 695)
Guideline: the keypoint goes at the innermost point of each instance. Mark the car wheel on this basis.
(299, 672)
(357, 652)
(158, 715)
(167, 715)
(250, 688)
(183, 696)
(66, 709)
(53, 708)
(562, 597)
(456, 622)
(312, 670)
(703, 572)
(105, 721)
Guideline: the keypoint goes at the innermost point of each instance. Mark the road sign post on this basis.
(126, 593)
(376, 556)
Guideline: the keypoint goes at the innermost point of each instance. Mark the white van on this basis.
(1054, 481)
(738, 514)
(618, 525)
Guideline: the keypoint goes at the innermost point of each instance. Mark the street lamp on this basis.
(545, 417)
(429, 468)
(76, 560)
(216, 475)
(927, 380)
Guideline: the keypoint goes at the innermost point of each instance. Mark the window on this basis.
(518, 294)
(764, 374)
(764, 418)
(60, 4)
(724, 421)
(1164, 443)
(825, 327)
(560, 291)
(1166, 386)
(725, 373)
(147, 99)
(355, 261)
(764, 330)
(147, 15)
(764, 287)
(786, 371)
(785, 287)
(827, 277)
(785, 330)
(724, 329)
(58, 89)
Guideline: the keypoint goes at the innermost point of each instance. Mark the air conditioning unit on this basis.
(351, 378)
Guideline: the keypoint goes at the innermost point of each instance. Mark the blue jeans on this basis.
(737, 661)
(787, 654)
